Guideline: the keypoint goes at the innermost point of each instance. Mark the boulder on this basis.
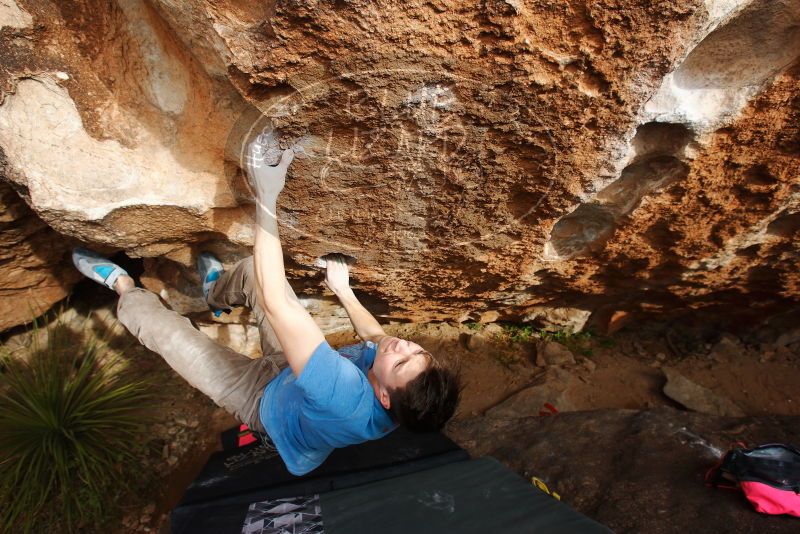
(571, 319)
(728, 347)
(588, 364)
(634, 156)
(695, 397)
(617, 321)
(553, 353)
(552, 388)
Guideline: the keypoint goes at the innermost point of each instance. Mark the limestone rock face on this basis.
(496, 157)
(33, 277)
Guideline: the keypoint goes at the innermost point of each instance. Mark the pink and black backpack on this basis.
(768, 475)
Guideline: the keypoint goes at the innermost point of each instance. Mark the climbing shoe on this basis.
(94, 266)
(210, 269)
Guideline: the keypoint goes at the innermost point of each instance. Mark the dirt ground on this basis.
(620, 371)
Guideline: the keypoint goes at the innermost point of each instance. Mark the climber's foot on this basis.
(210, 269)
(101, 270)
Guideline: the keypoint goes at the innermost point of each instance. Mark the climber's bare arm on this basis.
(337, 277)
(364, 323)
(296, 331)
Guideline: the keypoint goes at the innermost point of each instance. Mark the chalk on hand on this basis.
(322, 261)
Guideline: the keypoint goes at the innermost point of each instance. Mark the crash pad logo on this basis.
(298, 515)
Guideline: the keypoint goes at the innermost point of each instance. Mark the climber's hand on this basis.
(337, 273)
(268, 181)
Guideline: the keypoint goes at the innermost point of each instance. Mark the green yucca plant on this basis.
(70, 425)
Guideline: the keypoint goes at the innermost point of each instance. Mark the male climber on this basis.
(306, 398)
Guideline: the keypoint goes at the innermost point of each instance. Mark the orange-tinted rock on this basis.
(617, 321)
(492, 158)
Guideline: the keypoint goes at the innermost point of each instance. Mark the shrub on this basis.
(519, 333)
(70, 423)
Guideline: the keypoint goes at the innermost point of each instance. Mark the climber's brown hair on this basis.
(428, 401)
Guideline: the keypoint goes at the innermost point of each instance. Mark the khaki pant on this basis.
(232, 380)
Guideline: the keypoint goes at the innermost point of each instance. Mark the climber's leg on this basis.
(237, 287)
(232, 380)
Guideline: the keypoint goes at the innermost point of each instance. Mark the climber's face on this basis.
(399, 361)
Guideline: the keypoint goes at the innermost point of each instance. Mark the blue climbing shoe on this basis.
(93, 265)
(210, 269)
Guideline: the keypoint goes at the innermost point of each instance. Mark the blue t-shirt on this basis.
(331, 405)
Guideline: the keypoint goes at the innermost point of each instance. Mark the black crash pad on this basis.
(475, 496)
(404, 483)
(232, 480)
